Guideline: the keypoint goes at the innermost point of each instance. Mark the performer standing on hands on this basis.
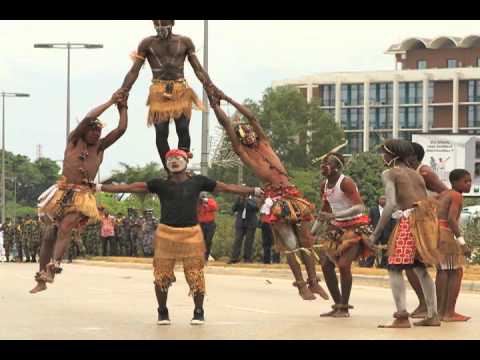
(170, 96)
(179, 236)
(71, 202)
(290, 213)
(347, 232)
(414, 240)
(452, 246)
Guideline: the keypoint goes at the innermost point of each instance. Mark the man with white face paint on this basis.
(414, 241)
(170, 96)
(179, 236)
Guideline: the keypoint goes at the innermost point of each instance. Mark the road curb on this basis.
(368, 280)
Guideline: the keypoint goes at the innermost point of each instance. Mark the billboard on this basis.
(444, 153)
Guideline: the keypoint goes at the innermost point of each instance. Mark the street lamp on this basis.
(4, 95)
(68, 46)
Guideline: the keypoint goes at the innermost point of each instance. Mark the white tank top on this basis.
(338, 200)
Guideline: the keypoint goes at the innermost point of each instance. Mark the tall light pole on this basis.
(4, 95)
(68, 46)
(204, 159)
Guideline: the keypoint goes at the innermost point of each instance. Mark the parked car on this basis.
(470, 213)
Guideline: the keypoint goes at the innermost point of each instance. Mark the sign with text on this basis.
(444, 153)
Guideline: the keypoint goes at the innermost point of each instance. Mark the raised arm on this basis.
(226, 123)
(137, 188)
(245, 111)
(391, 204)
(117, 133)
(139, 60)
(93, 115)
(200, 72)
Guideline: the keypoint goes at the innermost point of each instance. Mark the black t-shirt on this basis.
(179, 200)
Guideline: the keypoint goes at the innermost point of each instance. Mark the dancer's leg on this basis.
(428, 287)
(400, 297)
(183, 132)
(161, 134)
(421, 309)
(441, 285)
(454, 286)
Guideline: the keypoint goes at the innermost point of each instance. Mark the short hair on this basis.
(339, 158)
(398, 147)
(419, 151)
(157, 22)
(457, 174)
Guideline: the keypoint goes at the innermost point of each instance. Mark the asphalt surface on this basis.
(98, 302)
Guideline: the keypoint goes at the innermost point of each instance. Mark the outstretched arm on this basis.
(237, 189)
(390, 194)
(93, 115)
(245, 111)
(139, 60)
(117, 133)
(138, 188)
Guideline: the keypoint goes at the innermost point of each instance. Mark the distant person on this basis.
(207, 209)
(246, 209)
(269, 255)
(107, 232)
(375, 214)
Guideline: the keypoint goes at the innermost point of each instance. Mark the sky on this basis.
(245, 56)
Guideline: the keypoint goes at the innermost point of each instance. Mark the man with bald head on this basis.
(170, 96)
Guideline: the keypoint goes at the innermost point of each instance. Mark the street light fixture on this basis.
(4, 95)
(68, 46)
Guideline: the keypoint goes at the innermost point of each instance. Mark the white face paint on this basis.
(176, 164)
(163, 31)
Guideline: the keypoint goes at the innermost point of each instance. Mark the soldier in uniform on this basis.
(8, 231)
(17, 236)
(134, 231)
(120, 235)
(29, 230)
(149, 227)
(138, 233)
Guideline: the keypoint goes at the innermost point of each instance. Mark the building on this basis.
(435, 88)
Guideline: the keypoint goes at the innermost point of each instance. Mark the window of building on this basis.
(430, 91)
(378, 137)
(477, 149)
(352, 119)
(473, 116)
(410, 117)
(451, 63)
(328, 95)
(410, 92)
(421, 64)
(355, 142)
(478, 61)
(352, 94)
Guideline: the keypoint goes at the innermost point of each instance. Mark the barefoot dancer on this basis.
(179, 236)
(414, 240)
(71, 202)
(434, 187)
(347, 233)
(170, 96)
(290, 213)
(452, 246)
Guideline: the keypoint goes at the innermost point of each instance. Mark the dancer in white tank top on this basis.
(347, 232)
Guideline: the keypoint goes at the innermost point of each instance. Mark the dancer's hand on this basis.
(214, 101)
(466, 251)
(118, 95)
(325, 216)
(258, 192)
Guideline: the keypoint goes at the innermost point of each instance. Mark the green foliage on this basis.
(471, 231)
(30, 178)
(366, 169)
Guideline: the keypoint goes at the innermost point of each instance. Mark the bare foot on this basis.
(41, 286)
(431, 321)
(330, 313)
(304, 291)
(317, 289)
(420, 312)
(455, 317)
(397, 324)
(341, 313)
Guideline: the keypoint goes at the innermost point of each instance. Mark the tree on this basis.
(366, 169)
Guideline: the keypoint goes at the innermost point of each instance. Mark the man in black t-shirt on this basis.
(179, 236)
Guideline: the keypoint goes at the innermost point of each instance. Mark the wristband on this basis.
(461, 240)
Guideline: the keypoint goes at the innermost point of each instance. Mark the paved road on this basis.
(93, 302)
